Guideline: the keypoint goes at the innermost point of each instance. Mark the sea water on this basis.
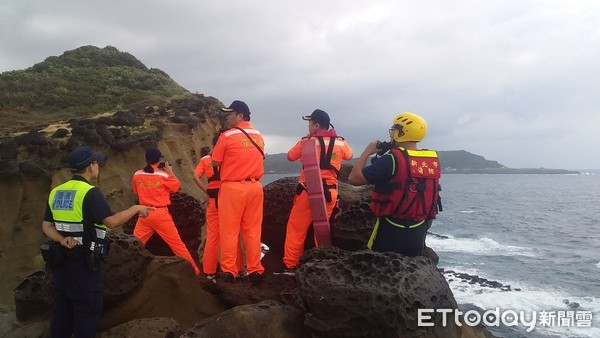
(536, 233)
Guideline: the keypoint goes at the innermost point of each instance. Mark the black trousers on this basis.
(77, 300)
(389, 237)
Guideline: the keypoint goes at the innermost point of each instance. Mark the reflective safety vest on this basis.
(413, 192)
(66, 204)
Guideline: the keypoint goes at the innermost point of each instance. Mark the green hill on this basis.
(460, 160)
(452, 161)
(81, 82)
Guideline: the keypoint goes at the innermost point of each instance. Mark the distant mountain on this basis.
(453, 162)
(460, 160)
(279, 164)
(79, 83)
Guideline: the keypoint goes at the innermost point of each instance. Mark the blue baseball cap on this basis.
(318, 116)
(238, 107)
(153, 155)
(83, 156)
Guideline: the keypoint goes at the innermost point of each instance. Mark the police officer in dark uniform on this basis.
(76, 219)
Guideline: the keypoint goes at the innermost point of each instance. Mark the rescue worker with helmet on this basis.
(331, 150)
(76, 220)
(210, 256)
(153, 186)
(405, 198)
(240, 153)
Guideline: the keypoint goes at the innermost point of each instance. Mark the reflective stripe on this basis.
(69, 227)
(422, 153)
(100, 233)
(404, 226)
(237, 131)
(373, 234)
(340, 143)
(156, 173)
(66, 203)
(376, 228)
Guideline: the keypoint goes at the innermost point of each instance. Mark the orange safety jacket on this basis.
(331, 150)
(153, 189)
(205, 168)
(237, 163)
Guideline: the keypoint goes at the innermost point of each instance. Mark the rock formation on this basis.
(344, 291)
(335, 293)
(33, 162)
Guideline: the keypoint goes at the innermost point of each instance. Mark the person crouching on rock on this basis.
(405, 198)
(153, 185)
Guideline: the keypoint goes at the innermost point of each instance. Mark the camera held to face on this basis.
(162, 165)
(383, 147)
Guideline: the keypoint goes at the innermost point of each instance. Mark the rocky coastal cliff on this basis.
(112, 102)
(343, 291)
(33, 161)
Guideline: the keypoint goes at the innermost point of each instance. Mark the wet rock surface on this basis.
(467, 279)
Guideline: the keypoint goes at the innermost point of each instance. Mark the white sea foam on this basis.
(598, 265)
(478, 246)
(529, 299)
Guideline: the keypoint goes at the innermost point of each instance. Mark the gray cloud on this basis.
(514, 82)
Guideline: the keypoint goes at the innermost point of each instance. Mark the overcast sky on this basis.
(514, 81)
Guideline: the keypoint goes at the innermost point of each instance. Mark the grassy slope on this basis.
(81, 82)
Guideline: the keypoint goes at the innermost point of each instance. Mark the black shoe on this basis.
(226, 277)
(255, 277)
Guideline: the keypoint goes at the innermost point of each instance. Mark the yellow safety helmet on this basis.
(412, 125)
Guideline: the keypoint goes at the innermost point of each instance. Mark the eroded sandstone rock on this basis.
(264, 319)
(189, 217)
(372, 294)
(123, 272)
(162, 327)
(124, 267)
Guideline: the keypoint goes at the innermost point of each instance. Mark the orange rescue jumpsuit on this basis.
(210, 258)
(153, 189)
(241, 196)
(301, 216)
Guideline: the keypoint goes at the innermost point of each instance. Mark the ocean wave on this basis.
(531, 298)
(478, 246)
(598, 265)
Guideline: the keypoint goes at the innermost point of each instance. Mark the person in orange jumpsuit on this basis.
(240, 153)
(153, 187)
(210, 258)
(330, 158)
